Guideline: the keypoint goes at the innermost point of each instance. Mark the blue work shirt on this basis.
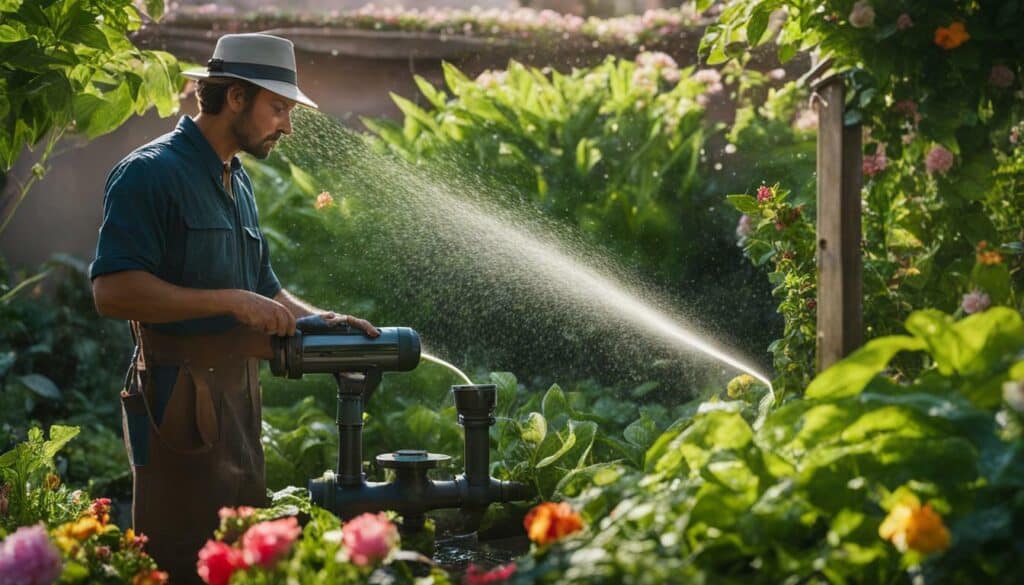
(166, 211)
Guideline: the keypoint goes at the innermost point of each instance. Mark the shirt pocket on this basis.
(253, 253)
(211, 253)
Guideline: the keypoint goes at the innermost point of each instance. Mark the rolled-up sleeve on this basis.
(132, 235)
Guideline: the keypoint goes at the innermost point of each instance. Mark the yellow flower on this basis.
(911, 526)
(739, 385)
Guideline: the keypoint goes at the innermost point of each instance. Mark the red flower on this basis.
(475, 575)
(267, 542)
(369, 538)
(218, 561)
(100, 508)
(548, 522)
(764, 194)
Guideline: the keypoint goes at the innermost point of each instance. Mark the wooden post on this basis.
(840, 314)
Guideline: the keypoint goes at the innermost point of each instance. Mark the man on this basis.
(181, 255)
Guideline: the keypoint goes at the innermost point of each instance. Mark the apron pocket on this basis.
(189, 421)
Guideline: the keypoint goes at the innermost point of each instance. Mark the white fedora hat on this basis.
(264, 60)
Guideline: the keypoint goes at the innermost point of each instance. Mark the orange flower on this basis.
(548, 522)
(952, 36)
(911, 526)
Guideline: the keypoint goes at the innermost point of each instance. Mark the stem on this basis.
(54, 137)
(21, 286)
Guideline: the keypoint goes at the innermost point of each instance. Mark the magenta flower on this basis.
(862, 15)
(904, 22)
(369, 538)
(975, 302)
(27, 557)
(267, 542)
(938, 159)
(1001, 76)
(764, 194)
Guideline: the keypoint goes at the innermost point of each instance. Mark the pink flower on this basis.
(5, 490)
(1001, 76)
(239, 512)
(323, 200)
(267, 542)
(1014, 139)
(904, 22)
(745, 226)
(872, 164)
(369, 538)
(218, 561)
(764, 194)
(862, 15)
(27, 557)
(938, 159)
(975, 302)
(475, 575)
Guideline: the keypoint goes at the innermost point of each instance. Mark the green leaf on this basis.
(155, 9)
(566, 446)
(555, 407)
(598, 475)
(506, 386)
(60, 435)
(972, 346)
(41, 385)
(851, 374)
(743, 203)
(757, 25)
(433, 95)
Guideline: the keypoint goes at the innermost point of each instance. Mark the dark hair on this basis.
(212, 93)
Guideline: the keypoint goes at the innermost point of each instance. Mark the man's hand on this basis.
(362, 324)
(262, 314)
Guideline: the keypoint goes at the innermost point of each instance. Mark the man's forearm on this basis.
(295, 305)
(140, 296)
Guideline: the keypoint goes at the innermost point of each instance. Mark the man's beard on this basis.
(242, 129)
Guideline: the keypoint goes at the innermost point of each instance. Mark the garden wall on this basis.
(349, 73)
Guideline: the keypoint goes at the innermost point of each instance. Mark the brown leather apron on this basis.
(191, 412)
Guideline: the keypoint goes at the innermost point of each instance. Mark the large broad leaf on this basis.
(41, 385)
(505, 385)
(96, 115)
(535, 429)
(555, 407)
(60, 435)
(851, 374)
(974, 346)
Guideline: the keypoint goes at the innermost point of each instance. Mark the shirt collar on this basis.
(187, 127)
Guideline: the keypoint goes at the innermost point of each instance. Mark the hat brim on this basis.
(281, 88)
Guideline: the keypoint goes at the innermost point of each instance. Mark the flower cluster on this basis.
(549, 522)
(101, 550)
(523, 23)
(262, 544)
(475, 575)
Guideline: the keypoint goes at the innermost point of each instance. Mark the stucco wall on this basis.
(350, 74)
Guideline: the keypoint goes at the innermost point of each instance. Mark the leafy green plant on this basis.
(840, 486)
(32, 491)
(70, 66)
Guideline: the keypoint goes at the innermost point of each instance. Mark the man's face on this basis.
(263, 121)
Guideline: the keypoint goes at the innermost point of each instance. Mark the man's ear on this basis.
(235, 98)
